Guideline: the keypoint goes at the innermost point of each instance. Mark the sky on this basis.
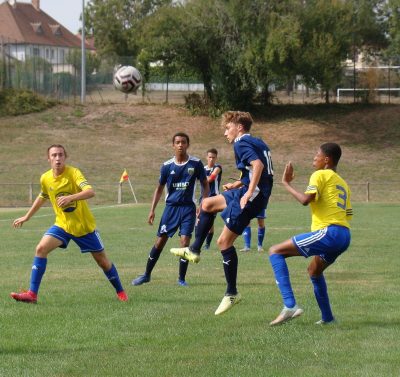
(66, 12)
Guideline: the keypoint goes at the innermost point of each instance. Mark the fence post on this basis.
(30, 193)
(367, 192)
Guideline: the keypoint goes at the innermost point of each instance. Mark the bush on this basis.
(18, 102)
(200, 105)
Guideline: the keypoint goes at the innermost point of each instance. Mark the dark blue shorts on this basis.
(177, 217)
(90, 242)
(328, 243)
(236, 218)
(262, 214)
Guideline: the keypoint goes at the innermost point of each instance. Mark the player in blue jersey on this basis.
(329, 198)
(241, 202)
(178, 175)
(260, 233)
(67, 190)
(214, 175)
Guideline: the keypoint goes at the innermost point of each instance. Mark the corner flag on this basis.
(124, 177)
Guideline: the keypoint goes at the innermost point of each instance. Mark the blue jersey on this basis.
(180, 180)
(214, 185)
(247, 149)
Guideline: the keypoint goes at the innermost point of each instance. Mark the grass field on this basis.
(78, 328)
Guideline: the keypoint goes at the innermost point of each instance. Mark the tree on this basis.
(115, 24)
(326, 39)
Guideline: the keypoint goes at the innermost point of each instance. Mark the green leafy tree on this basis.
(392, 13)
(116, 24)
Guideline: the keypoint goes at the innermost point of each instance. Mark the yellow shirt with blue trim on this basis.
(331, 205)
(76, 218)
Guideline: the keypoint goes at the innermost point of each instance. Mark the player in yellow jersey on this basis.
(329, 198)
(67, 189)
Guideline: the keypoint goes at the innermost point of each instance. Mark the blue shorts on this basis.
(236, 218)
(90, 242)
(177, 217)
(262, 214)
(328, 243)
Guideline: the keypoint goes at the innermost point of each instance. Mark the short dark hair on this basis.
(56, 146)
(332, 150)
(181, 134)
(238, 117)
(213, 151)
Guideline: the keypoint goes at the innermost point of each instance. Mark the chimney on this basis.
(36, 4)
(13, 3)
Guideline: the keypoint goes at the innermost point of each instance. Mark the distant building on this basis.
(26, 31)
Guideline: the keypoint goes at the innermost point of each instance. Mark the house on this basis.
(26, 31)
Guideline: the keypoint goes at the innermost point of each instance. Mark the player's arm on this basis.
(64, 201)
(287, 178)
(258, 167)
(212, 177)
(156, 198)
(39, 201)
(232, 186)
(205, 188)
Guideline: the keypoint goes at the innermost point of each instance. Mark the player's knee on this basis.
(273, 249)
(41, 251)
(222, 243)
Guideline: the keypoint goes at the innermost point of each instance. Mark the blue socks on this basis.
(230, 263)
(209, 238)
(282, 278)
(183, 266)
(247, 237)
(261, 235)
(321, 295)
(152, 260)
(206, 221)
(38, 269)
(113, 277)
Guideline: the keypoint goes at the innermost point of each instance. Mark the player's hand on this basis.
(288, 174)
(17, 223)
(63, 201)
(244, 199)
(227, 186)
(150, 219)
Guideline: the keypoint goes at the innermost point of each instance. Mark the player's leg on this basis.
(187, 223)
(111, 273)
(209, 238)
(325, 245)
(209, 207)
(152, 259)
(260, 233)
(246, 238)
(277, 256)
(230, 265)
(315, 271)
(45, 246)
(183, 263)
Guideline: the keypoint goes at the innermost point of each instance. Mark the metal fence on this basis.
(56, 72)
(23, 194)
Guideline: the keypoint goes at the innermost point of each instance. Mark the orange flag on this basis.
(124, 176)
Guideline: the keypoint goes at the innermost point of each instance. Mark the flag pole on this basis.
(133, 192)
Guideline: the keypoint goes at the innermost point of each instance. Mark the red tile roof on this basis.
(23, 23)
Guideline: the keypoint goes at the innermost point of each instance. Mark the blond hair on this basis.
(238, 117)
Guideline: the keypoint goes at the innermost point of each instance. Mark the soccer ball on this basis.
(127, 79)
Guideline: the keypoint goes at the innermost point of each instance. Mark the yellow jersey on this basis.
(332, 200)
(76, 219)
